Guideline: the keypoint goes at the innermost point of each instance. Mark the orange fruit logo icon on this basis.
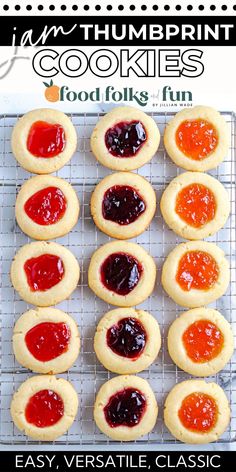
(52, 92)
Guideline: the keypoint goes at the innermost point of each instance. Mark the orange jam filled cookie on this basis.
(197, 412)
(195, 205)
(195, 273)
(197, 138)
(200, 341)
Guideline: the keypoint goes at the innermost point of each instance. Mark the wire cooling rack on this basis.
(87, 375)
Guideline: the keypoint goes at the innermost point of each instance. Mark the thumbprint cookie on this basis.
(122, 273)
(46, 207)
(125, 408)
(125, 139)
(197, 412)
(46, 340)
(197, 138)
(123, 205)
(44, 273)
(195, 205)
(127, 340)
(195, 273)
(43, 140)
(44, 407)
(200, 341)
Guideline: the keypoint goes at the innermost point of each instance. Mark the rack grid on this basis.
(87, 374)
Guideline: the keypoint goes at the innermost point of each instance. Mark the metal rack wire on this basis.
(87, 374)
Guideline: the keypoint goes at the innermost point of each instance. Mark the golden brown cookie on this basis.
(44, 273)
(197, 138)
(44, 407)
(125, 408)
(125, 139)
(46, 340)
(195, 205)
(43, 140)
(46, 207)
(123, 205)
(122, 273)
(195, 273)
(127, 341)
(200, 341)
(197, 412)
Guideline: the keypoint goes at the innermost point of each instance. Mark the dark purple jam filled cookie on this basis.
(127, 341)
(125, 139)
(125, 408)
(123, 205)
(122, 274)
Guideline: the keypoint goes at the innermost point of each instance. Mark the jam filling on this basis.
(127, 338)
(43, 272)
(46, 139)
(120, 273)
(48, 340)
(45, 408)
(122, 204)
(197, 139)
(197, 270)
(203, 341)
(125, 138)
(196, 205)
(125, 408)
(47, 206)
(198, 412)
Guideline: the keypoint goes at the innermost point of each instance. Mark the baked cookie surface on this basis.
(197, 412)
(127, 341)
(195, 205)
(44, 273)
(197, 138)
(125, 139)
(123, 205)
(200, 341)
(122, 273)
(44, 407)
(125, 408)
(43, 140)
(47, 207)
(195, 273)
(46, 340)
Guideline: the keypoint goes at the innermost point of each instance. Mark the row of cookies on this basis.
(194, 205)
(45, 340)
(125, 139)
(35, 213)
(205, 337)
(195, 211)
(126, 341)
(198, 340)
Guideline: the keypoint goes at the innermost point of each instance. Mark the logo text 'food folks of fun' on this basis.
(54, 93)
